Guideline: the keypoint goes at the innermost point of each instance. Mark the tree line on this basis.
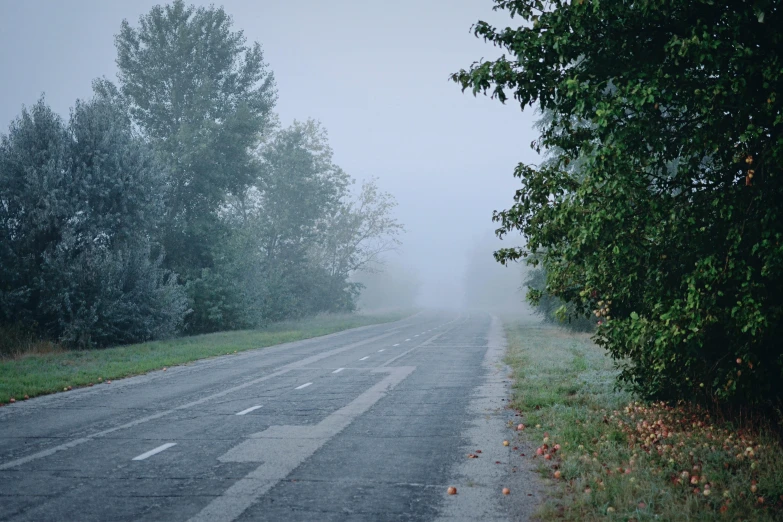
(174, 201)
(661, 210)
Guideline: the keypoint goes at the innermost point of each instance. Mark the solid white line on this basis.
(364, 358)
(397, 344)
(338, 370)
(305, 385)
(382, 349)
(252, 408)
(154, 451)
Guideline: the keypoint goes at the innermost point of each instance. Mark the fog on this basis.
(375, 74)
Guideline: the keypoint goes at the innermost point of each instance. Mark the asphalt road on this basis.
(369, 424)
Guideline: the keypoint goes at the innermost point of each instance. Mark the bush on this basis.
(78, 205)
(111, 296)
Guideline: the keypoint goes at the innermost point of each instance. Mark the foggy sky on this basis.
(375, 73)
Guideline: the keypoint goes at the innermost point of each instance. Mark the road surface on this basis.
(368, 424)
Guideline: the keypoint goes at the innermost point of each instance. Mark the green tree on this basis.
(282, 218)
(78, 206)
(204, 99)
(672, 225)
(299, 231)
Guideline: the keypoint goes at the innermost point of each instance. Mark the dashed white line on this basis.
(397, 344)
(416, 335)
(305, 385)
(406, 340)
(155, 451)
(382, 349)
(364, 358)
(222, 393)
(252, 408)
(338, 370)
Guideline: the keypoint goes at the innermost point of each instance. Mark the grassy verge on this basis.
(605, 456)
(41, 373)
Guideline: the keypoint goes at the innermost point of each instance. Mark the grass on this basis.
(40, 372)
(612, 457)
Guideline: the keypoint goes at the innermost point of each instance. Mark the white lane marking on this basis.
(155, 451)
(364, 358)
(280, 371)
(416, 335)
(305, 385)
(406, 352)
(382, 349)
(406, 340)
(338, 370)
(397, 344)
(252, 408)
(279, 450)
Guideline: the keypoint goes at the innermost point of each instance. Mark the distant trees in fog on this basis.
(174, 201)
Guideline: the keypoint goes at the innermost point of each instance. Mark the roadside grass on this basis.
(606, 456)
(40, 372)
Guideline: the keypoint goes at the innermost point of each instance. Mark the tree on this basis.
(299, 185)
(551, 308)
(672, 225)
(359, 231)
(203, 98)
(299, 233)
(79, 206)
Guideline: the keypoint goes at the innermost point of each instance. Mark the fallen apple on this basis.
(12, 400)
(505, 443)
(557, 474)
(506, 491)
(452, 490)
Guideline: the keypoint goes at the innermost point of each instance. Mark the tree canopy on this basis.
(204, 99)
(79, 204)
(670, 228)
(174, 201)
